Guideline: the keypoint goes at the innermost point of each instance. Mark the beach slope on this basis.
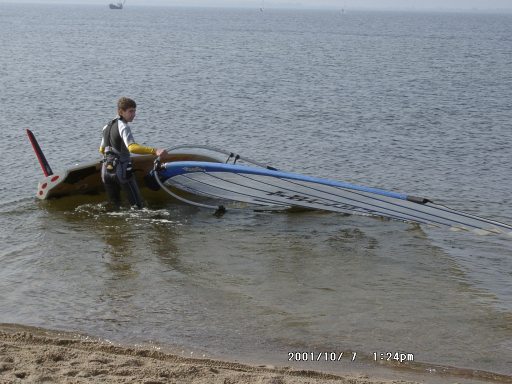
(34, 355)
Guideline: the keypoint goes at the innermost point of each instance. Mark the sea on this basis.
(413, 102)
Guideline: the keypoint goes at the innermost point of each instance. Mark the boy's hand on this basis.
(161, 152)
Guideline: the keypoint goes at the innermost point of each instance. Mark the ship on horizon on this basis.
(117, 6)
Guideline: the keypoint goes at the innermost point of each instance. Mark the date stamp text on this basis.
(322, 356)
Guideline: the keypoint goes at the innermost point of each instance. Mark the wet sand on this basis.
(34, 355)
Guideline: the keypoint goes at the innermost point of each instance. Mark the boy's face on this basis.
(128, 114)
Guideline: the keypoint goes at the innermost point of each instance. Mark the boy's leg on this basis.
(112, 188)
(133, 193)
(114, 194)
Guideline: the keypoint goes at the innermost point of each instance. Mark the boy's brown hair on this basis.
(125, 103)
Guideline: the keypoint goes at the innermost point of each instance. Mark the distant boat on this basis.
(116, 6)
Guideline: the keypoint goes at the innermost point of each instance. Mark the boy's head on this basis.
(126, 109)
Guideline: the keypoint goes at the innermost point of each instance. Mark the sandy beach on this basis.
(33, 355)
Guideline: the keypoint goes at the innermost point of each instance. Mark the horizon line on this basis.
(281, 6)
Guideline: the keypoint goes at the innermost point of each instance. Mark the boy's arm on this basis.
(141, 149)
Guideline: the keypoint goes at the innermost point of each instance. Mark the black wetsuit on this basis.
(116, 170)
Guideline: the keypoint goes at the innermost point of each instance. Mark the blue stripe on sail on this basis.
(180, 167)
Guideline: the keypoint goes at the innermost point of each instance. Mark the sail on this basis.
(269, 187)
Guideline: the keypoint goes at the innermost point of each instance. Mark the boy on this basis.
(116, 146)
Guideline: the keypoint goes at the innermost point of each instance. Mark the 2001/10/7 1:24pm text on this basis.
(399, 357)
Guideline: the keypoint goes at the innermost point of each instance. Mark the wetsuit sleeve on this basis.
(125, 132)
(102, 145)
(141, 149)
(133, 147)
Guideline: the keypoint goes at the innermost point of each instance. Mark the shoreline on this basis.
(30, 354)
(33, 354)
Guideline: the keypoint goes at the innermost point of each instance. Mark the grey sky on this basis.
(332, 4)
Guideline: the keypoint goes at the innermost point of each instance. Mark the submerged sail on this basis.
(269, 187)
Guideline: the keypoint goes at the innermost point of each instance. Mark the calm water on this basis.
(413, 102)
